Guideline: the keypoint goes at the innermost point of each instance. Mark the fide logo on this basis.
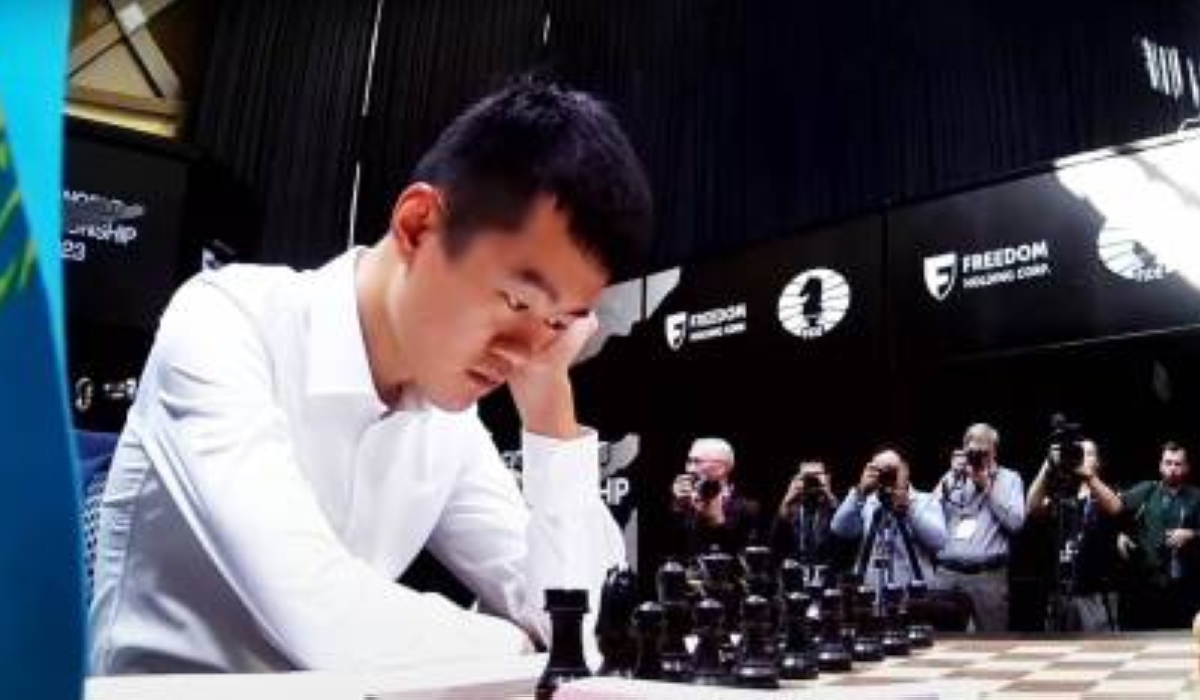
(1126, 256)
(941, 273)
(814, 303)
(676, 328)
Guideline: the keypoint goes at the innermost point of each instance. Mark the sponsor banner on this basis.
(1098, 248)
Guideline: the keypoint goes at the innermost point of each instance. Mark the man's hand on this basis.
(541, 388)
(982, 478)
(1125, 546)
(683, 489)
(794, 492)
(869, 480)
(1179, 537)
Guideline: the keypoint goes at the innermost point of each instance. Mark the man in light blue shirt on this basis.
(917, 513)
(984, 505)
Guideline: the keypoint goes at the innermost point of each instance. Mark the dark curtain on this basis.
(759, 119)
(279, 112)
(755, 119)
(434, 58)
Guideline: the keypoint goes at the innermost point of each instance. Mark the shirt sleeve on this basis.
(508, 552)
(929, 522)
(847, 522)
(1006, 498)
(1134, 497)
(222, 447)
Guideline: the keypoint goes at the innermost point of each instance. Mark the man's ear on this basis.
(417, 218)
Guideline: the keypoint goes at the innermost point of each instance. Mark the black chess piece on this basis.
(756, 663)
(849, 583)
(832, 655)
(920, 632)
(792, 577)
(798, 661)
(867, 644)
(758, 579)
(567, 608)
(719, 582)
(677, 616)
(708, 665)
(895, 634)
(618, 598)
(647, 625)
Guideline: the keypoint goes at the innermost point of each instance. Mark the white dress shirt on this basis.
(263, 500)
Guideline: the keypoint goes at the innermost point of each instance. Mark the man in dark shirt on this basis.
(1163, 517)
(802, 523)
(709, 512)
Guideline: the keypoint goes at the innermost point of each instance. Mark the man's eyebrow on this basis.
(536, 279)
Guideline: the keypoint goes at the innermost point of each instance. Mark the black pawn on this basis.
(791, 577)
(895, 634)
(867, 645)
(618, 598)
(759, 579)
(647, 625)
(920, 632)
(566, 663)
(708, 665)
(718, 582)
(799, 659)
(832, 656)
(756, 663)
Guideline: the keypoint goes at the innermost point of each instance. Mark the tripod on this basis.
(1067, 511)
(884, 520)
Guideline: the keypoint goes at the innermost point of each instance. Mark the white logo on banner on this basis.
(814, 302)
(941, 271)
(990, 268)
(1129, 257)
(684, 327)
(677, 329)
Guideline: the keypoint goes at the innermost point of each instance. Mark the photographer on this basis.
(709, 512)
(885, 483)
(984, 505)
(1086, 537)
(802, 522)
(1164, 516)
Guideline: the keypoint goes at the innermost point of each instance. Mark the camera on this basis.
(1065, 453)
(887, 485)
(975, 458)
(708, 489)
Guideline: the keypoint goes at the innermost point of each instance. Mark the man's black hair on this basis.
(535, 138)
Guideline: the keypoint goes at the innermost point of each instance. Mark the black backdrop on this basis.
(754, 119)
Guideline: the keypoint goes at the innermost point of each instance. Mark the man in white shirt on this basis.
(299, 437)
(917, 513)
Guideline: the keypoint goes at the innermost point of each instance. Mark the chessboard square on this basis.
(966, 656)
(903, 673)
(1144, 664)
(1003, 664)
(1168, 649)
(1044, 688)
(1137, 688)
(1044, 649)
(1005, 695)
(1061, 674)
(1103, 657)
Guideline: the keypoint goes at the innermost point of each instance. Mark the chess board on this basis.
(1154, 666)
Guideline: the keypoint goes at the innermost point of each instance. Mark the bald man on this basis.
(707, 507)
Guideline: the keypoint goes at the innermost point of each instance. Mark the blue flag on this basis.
(41, 592)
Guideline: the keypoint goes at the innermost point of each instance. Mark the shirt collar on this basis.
(337, 352)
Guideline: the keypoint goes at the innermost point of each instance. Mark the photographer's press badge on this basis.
(965, 528)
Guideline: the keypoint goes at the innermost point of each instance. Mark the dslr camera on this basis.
(887, 485)
(707, 489)
(1065, 453)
